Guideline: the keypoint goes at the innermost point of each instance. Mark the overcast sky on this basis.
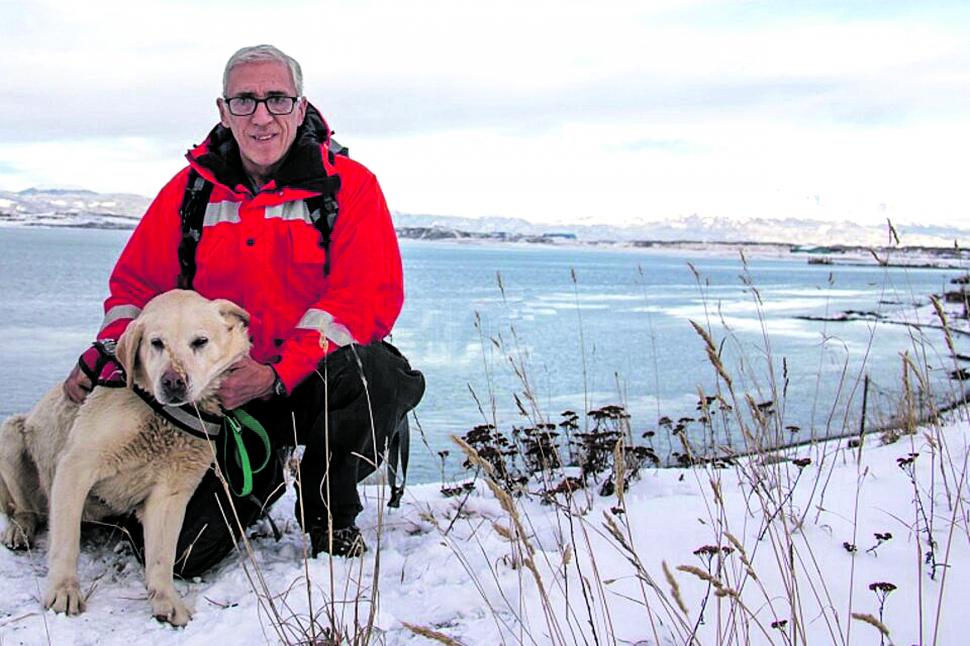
(553, 111)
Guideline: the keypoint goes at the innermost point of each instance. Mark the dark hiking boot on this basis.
(347, 541)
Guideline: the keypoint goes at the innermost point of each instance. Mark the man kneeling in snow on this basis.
(274, 216)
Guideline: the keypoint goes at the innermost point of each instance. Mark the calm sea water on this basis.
(575, 328)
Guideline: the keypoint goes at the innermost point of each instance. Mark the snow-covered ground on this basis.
(473, 579)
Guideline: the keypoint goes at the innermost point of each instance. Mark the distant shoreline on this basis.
(910, 256)
(905, 256)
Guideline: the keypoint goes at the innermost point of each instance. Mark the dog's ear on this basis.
(127, 350)
(233, 314)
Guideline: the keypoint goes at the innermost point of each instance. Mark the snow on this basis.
(462, 578)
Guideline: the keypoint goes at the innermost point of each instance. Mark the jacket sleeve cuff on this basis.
(301, 355)
(114, 330)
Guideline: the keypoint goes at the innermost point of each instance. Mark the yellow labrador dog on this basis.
(114, 454)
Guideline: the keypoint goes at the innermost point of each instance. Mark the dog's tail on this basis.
(14, 424)
(15, 420)
(12, 434)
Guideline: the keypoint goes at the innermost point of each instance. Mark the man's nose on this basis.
(262, 114)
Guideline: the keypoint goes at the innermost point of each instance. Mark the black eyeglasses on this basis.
(243, 106)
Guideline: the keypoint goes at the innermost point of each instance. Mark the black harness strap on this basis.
(398, 451)
(192, 214)
(323, 213)
(187, 418)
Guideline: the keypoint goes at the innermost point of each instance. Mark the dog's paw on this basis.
(65, 596)
(18, 535)
(169, 607)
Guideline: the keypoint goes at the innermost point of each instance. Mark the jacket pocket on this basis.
(306, 279)
(306, 249)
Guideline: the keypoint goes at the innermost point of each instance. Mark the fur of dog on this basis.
(113, 454)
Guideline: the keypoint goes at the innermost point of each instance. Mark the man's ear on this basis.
(302, 109)
(223, 111)
(126, 351)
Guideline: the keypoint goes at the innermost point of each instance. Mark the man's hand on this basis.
(244, 381)
(77, 385)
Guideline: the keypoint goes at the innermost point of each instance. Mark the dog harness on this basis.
(187, 418)
(206, 426)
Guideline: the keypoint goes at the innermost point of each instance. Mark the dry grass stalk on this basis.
(712, 354)
(742, 554)
(760, 421)
(883, 262)
(433, 635)
(503, 497)
(473, 456)
(502, 531)
(701, 574)
(674, 588)
(940, 314)
(716, 488)
(872, 621)
(615, 532)
(908, 360)
(619, 471)
(518, 531)
(567, 555)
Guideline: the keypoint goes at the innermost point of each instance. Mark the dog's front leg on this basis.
(162, 517)
(76, 473)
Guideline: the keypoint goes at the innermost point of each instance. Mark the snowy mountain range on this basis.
(75, 207)
(71, 207)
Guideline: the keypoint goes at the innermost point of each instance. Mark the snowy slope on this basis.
(463, 578)
(71, 207)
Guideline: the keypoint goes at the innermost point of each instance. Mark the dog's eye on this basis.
(199, 343)
(158, 344)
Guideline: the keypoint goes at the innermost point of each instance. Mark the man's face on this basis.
(263, 138)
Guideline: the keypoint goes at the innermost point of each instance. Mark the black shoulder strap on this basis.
(323, 213)
(334, 148)
(324, 208)
(192, 213)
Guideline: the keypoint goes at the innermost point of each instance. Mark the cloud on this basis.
(659, 108)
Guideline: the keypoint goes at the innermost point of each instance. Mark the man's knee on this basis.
(390, 376)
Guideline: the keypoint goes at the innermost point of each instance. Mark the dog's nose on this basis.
(173, 385)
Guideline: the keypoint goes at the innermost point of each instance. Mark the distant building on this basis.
(559, 236)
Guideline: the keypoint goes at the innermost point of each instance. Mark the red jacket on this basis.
(262, 252)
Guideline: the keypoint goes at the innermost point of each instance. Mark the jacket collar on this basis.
(217, 158)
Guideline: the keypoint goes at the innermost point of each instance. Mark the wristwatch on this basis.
(279, 388)
(108, 346)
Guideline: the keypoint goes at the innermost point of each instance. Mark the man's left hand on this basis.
(244, 381)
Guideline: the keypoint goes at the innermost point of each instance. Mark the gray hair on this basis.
(263, 54)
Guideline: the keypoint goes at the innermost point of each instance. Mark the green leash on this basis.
(237, 420)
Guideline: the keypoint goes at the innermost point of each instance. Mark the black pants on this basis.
(344, 415)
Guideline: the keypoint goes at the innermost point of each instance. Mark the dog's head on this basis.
(181, 343)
